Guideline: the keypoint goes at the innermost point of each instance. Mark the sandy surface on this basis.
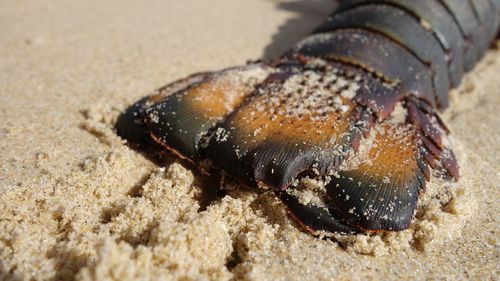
(76, 203)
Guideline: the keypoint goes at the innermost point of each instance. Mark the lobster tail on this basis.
(355, 104)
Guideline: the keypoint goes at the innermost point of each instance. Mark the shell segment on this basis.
(314, 219)
(463, 14)
(372, 52)
(132, 123)
(382, 191)
(184, 121)
(302, 119)
(485, 13)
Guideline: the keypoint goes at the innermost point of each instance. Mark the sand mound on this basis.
(77, 203)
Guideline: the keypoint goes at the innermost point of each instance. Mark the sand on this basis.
(78, 204)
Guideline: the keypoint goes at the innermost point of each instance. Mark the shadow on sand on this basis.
(309, 14)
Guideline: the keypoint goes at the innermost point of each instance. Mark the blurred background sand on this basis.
(76, 203)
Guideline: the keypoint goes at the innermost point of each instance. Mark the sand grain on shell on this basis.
(76, 203)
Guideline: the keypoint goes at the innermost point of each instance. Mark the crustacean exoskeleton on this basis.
(355, 104)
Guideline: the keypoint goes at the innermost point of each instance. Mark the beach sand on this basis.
(76, 203)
